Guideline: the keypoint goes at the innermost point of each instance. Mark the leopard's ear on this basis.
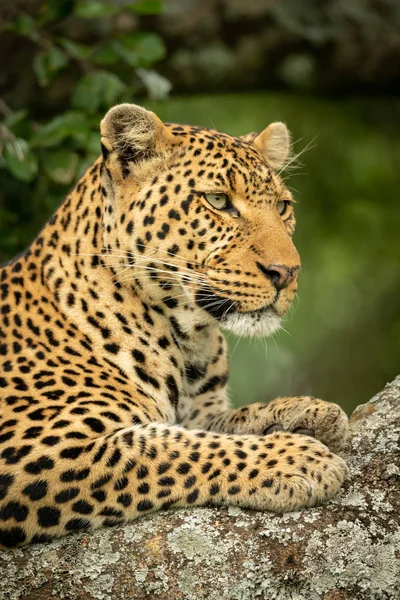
(131, 134)
(275, 144)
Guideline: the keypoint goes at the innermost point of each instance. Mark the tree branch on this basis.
(347, 549)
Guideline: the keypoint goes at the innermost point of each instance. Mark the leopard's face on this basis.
(201, 220)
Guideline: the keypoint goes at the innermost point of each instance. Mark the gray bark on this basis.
(347, 549)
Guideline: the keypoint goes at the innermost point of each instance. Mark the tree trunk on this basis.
(347, 549)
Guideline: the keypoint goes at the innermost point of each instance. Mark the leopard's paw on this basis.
(305, 474)
(305, 415)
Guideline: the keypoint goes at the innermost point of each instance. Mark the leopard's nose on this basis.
(280, 275)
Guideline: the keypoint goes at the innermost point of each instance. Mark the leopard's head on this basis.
(200, 220)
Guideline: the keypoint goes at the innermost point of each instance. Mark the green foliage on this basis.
(47, 64)
(147, 7)
(40, 159)
(20, 159)
(97, 90)
(93, 10)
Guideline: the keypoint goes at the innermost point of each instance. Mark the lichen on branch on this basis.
(348, 549)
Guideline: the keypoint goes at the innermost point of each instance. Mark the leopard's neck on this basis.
(76, 272)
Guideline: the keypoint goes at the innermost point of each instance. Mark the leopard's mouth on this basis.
(216, 306)
(259, 322)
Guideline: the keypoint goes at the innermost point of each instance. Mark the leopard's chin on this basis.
(253, 323)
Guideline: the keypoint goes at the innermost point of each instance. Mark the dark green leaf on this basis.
(106, 54)
(15, 118)
(20, 160)
(47, 63)
(70, 124)
(141, 49)
(95, 90)
(24, 25)
(55, 10)
(79, 51)
(61, 165)
(40, 68)
(93, 9)
(93, 143)
(56, 59)
(147, 7)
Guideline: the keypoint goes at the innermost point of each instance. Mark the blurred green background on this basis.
(69, 61)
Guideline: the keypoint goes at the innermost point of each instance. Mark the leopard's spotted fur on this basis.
(113, 370)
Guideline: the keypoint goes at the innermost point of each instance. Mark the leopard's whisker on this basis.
(123, 255)
(136, 255)
(294, 158)
(181, 257)
(236, 345)
(220, 301)
(163, 262)
(135, 276)
(178, 268)
(129, 250)
(152, 260)
(171, 274)
(228, 309)
(285, 330)
(199, 294)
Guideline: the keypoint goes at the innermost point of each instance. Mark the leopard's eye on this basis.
(218, 201)
(282, 206)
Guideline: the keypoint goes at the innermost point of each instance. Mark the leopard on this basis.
(114, 397)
